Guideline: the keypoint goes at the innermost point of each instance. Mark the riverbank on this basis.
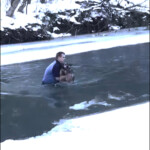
(25, 52)
(126, 128)
(69, 18)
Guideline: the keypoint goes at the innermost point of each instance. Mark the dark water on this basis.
(29, 108)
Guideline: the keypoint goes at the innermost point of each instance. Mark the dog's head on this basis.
(70, 77)
(67, 68)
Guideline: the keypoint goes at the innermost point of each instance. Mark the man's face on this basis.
(61, 59)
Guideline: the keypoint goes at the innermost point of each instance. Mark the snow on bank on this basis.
(121, 129)
(36, 11)
(86, 104)
(24, 52)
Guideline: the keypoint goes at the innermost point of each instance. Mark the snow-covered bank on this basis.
(54, 6)
(121, 129)
(18, 53)
(70, 17)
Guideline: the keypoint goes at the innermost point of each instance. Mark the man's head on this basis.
(60, 56)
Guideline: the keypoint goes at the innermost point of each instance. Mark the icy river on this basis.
(108, 78)
(105, 80)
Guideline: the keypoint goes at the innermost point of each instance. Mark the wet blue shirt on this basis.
(51, 72)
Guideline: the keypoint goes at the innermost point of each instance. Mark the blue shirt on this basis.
(51, 72)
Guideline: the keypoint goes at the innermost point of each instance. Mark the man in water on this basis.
(53, 74)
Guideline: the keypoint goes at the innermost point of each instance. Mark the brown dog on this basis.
(67, 71)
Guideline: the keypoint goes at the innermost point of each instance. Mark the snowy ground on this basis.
(17, 53)
(121, 129)
(36, 8)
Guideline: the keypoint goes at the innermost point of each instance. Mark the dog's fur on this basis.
(68, 72)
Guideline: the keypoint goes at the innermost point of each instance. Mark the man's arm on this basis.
(57, 75)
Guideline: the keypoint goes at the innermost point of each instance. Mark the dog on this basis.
(68, 72)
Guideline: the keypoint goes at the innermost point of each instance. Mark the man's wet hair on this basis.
(59, 54)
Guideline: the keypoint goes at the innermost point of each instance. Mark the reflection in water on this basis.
(117, 77)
